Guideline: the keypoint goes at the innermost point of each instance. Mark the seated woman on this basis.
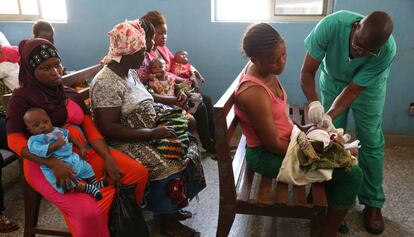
(261, 108)
(204, 113)
(126, 114)
(41, 86)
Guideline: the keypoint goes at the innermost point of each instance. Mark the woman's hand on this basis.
(181, 99)
(59, 142)
(82, 152)
(112, 170)
(194, 82)
(64, 174)
(163, 132)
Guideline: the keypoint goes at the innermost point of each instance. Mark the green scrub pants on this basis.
(367, 111)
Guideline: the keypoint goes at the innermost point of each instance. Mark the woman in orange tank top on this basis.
(261, 108)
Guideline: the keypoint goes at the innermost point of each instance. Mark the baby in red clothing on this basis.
(182, 68)
(9, 54)
(165, 84)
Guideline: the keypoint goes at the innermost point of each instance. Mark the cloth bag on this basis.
(125, 217)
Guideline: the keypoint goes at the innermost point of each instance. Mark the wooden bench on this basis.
(85, 74)
(266, 197)
(31, 197)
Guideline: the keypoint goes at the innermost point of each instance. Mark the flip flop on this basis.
(6, 225)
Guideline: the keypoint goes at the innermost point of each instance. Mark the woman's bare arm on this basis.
(109, 124)
(257, 104)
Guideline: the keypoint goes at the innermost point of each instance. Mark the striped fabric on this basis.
(173, 148)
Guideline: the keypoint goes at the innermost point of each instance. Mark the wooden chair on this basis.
(31, 197)
(266, 197)
(8, 156)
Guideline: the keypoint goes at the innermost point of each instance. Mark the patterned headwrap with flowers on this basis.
(126, 38)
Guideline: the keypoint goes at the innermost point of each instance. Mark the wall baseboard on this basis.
(399, 140)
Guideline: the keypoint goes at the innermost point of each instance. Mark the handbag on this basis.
(125, 217)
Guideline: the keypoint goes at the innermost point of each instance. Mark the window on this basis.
(269, 10)
(32, 10)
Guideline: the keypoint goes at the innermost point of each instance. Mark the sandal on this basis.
(6, 225)
(176, 229)
(182, 215)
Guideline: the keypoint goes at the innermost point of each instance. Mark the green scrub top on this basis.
(329, 42)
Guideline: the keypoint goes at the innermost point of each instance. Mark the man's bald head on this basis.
(376, 28)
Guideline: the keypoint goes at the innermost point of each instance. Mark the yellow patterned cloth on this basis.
(173, 148)
(316, 156)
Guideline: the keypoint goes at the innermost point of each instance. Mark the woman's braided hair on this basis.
(259, 39)
(148, 28)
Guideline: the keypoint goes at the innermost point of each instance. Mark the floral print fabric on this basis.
(126, 38)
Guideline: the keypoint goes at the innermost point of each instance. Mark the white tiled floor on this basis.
(398, 210)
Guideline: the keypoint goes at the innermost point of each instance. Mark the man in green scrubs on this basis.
(354, 54)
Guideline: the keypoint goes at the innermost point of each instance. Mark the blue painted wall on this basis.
(215, 47)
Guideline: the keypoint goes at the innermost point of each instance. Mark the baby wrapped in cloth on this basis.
(311, 157)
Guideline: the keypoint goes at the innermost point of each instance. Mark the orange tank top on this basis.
(281, 120)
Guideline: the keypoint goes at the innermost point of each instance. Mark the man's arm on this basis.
(307, 77)
(345, 99)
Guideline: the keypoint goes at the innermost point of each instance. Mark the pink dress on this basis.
(84, 215)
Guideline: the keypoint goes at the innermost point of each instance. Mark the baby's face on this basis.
(38, 122)
(157, 68)
(181, 57)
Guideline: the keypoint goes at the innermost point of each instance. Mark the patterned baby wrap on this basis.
(173, 148)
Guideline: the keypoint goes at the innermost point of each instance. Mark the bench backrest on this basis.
(81, 75)
(226, 122)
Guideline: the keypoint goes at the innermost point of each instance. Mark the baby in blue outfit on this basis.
(47, 141)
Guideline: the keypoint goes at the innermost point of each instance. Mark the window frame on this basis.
(273, 18)
(26, 17)
(326, 10)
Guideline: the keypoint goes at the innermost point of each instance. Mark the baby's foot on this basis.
(92, 190)
(99, 184)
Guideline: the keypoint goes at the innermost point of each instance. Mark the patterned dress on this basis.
(165, 86)
(138, 110)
